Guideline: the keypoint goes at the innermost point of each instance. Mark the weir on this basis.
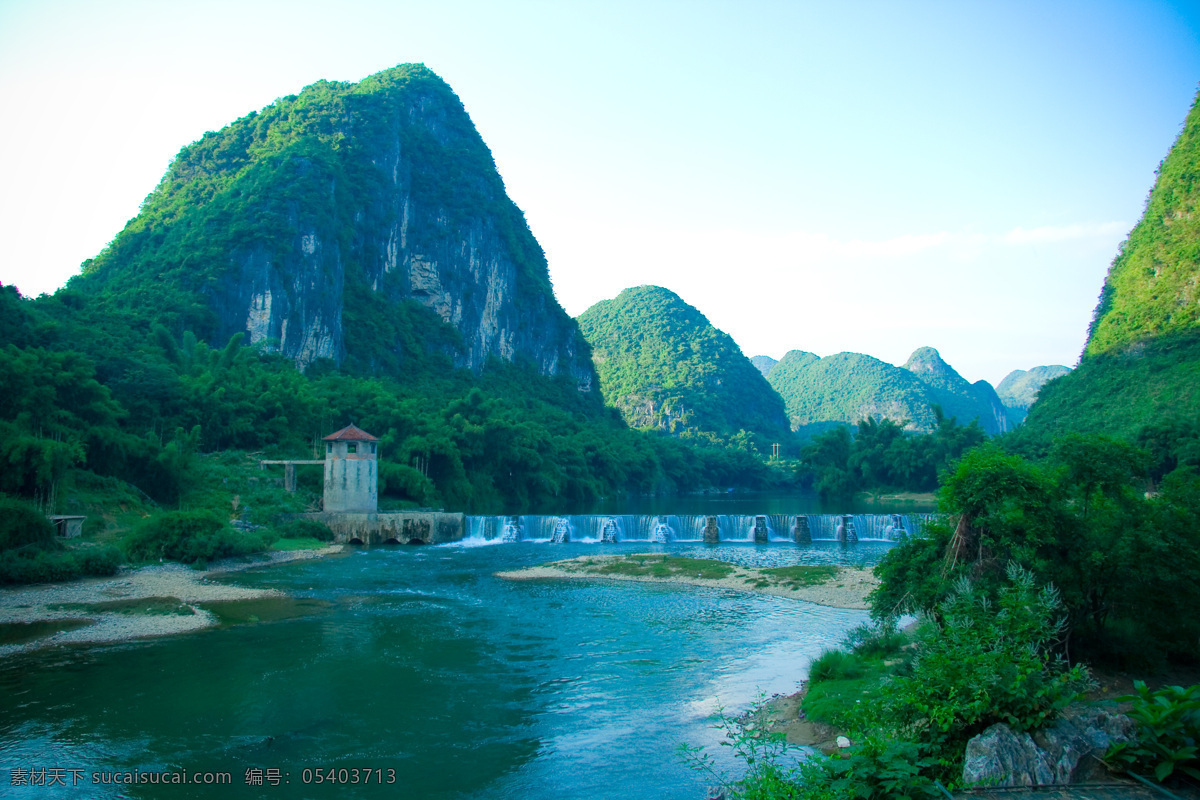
(663, 528)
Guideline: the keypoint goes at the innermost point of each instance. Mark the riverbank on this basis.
(838, 587)
(158, 600)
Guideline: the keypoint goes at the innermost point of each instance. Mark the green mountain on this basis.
(847, 387)
(362, 223)
(764, 364)
(664, 366)
(1140, 370)
(1020, 388)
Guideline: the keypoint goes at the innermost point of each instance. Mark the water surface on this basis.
(419, 660)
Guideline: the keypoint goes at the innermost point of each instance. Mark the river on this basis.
(419, 663)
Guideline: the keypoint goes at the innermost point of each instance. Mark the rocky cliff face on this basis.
(352, 221)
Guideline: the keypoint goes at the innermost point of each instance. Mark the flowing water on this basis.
(420, 661)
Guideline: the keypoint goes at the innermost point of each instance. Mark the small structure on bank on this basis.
(351, 497)
(66, 525)
(351, 471)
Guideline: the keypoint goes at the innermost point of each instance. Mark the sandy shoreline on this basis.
(74, 602)
(849, 589)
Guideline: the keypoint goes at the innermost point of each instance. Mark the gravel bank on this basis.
(848, 589)
(50, 602)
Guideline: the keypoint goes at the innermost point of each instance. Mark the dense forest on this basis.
(664, 366)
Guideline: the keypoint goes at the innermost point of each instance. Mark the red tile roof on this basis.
(350, 433)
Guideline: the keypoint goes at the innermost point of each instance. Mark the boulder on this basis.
(1066, 752)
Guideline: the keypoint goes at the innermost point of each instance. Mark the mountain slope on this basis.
(663, 365)
(358, 222)
(1141, 367)
(1020, 388)
(847, 387)
(764, 364)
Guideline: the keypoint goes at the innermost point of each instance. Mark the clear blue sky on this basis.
(866, 176)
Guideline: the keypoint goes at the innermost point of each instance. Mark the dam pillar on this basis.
(712, 533)
(845, 531)
(800, 531)
(762, 533)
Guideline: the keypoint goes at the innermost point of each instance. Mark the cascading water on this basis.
(696, 528)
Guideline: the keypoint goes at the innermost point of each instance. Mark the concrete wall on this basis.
(429, 527)
(351, 479)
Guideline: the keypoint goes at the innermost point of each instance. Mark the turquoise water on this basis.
(420, 661)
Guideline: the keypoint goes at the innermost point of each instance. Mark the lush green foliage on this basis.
(1128, 566)
(1151, 289)
(664, 366)
(1168, 739)
(30, 552)
(1148, 393)
(987, 659)
(846, 387)
(882, 456)
(193, 537)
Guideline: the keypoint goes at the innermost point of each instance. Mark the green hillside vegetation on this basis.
(1152, 286)
(843, 388)
(823, 393)
(1020, 388)
(956, 396)
(665, 367)
(1139, 373)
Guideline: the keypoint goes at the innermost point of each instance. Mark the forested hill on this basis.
(1139, 377)
(1020, 388)
(664, 366)
(362, 223)
(847, 387)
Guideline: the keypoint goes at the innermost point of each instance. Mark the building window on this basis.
(329, 447)
(352, 448)
(372, 448)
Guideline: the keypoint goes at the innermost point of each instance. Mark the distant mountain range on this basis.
(1020, 388)
(847, 387)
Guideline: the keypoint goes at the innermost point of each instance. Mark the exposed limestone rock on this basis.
(1066, 752)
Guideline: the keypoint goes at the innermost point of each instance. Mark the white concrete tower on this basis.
(351, 471)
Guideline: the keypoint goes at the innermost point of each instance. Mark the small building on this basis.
(66, 525)
(351, 471)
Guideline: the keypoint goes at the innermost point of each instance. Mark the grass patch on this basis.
(22, 632)
(307, 543)
(839, 701)
(655, 566)
(802, 575)
(145, 606)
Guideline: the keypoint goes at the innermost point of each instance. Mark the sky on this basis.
(860, 176)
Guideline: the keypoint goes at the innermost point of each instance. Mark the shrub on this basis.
(835, 665)
(1168, 732)
(988, 661)
(193, 537)
(41, 566)
(21, 524)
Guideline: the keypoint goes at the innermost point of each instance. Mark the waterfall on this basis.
(661, 528)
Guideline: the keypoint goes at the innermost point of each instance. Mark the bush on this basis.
(21, 524)
(835, 665)
(41, 566)
(193, 537)
(304, 529)
(1168, 732)
(988, 661)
